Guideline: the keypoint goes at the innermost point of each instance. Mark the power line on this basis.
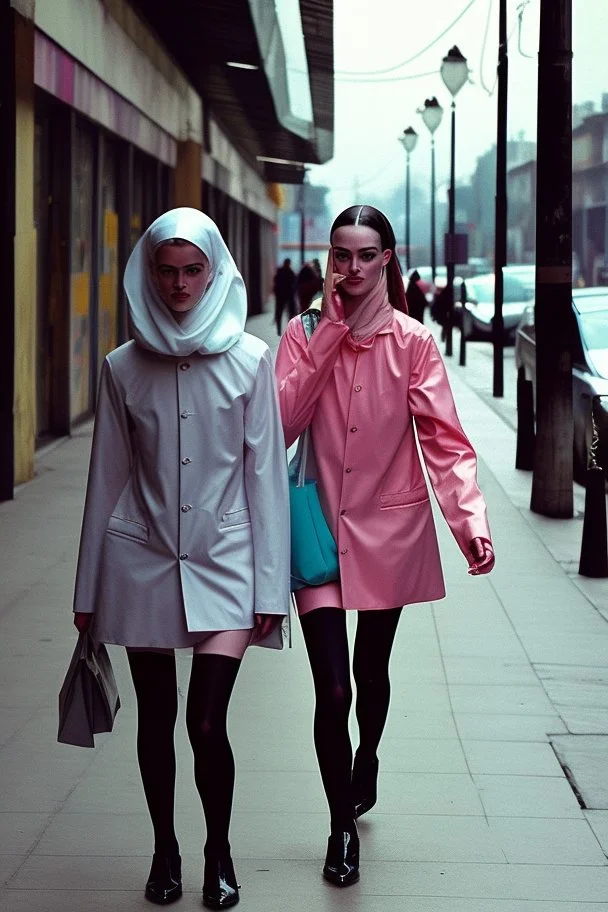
(367, 180)
(390, 78)
(521, 9)
(363, 73)
(483, 51)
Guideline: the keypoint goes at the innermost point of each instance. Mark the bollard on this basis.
(594, 544)
(463, 325)
(524, 453)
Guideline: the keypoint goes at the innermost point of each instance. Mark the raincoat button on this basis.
(186, 460)
(348, 470)
(186, 508)
(185, 366)
(342, 512)
(344, 551)
(358, 388)
(184, 414)
(353, 429)
(183, 557)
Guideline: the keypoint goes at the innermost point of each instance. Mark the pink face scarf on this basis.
(373, 313)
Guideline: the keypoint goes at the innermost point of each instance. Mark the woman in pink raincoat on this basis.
(368, 382)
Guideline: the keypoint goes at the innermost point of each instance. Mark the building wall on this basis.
(108, 134)
(24, 254)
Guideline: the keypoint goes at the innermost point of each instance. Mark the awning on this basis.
(252, 105)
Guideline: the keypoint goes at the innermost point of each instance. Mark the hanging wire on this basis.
(363, 73)
(388, 78)
(483, 52)
(491, 91)
(367, 180)
(521, 9)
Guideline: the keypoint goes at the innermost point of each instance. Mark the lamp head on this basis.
(409, 139)
(454, 71)
(431, 112)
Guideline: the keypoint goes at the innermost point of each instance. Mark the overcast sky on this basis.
(372, 35)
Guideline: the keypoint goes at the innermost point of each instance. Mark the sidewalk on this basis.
(490, 685)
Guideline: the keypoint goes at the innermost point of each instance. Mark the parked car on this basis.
(589, 369)
(525, 272)
(476, 315)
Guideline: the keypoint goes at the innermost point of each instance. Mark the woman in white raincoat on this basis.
(183, 540)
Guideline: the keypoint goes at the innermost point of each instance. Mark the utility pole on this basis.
(302, 208)
(552, 475)
(500, 233)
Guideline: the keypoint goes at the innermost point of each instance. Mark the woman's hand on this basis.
(481, 556)
(265, 624)
(333, 307)
(82, 621)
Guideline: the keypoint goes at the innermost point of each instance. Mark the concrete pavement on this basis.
(490, 687)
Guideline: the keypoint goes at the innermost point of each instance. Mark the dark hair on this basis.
(373, 218)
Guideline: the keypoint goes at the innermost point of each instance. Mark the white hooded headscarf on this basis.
(216, 321)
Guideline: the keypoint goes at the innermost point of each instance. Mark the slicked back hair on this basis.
(373, 218)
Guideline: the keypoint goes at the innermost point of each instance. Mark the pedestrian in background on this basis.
(371, 374)
(414, 295)
(182, 541)
(308, 283)
(284, 287)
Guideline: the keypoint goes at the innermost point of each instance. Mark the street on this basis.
(490, 687)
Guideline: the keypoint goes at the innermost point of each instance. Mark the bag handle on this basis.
(310, 320)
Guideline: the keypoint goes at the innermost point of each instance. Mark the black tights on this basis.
(327, 644)
(211, 683)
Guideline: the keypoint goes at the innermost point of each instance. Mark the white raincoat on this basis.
(186, 518)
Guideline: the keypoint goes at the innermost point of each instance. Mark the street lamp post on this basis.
(408, 141)
(454, 72)
(432, 112)
(500, 233)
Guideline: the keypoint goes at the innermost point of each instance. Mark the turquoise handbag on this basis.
(314, 555)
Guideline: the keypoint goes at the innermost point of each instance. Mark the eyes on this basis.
(168, 272)
(343, 256)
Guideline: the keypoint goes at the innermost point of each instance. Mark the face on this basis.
(359, 256)
(182, 275)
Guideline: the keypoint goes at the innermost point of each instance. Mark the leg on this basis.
(211, 683)
(327, 645)
(278, 312)
(373, 644)
(155, 685)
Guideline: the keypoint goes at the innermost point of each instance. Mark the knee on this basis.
(341, 697)
(204, 733)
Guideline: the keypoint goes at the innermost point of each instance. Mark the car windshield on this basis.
(594, 329)
(482, 290)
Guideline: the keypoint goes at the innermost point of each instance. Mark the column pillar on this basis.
(187, 187)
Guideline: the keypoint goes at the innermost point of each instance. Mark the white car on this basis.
(478, 312)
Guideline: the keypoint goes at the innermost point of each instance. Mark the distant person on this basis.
(187, 411)
(284, 287)
(370, 375)
(414, 295)
(308, 283)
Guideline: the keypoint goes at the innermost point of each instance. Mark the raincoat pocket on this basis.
(404, 498)
(128, 528)
(233, 518)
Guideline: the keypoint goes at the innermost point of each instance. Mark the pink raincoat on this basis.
(365, 403)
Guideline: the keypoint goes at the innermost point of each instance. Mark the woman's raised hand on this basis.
(332, 308)
(481, 556)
